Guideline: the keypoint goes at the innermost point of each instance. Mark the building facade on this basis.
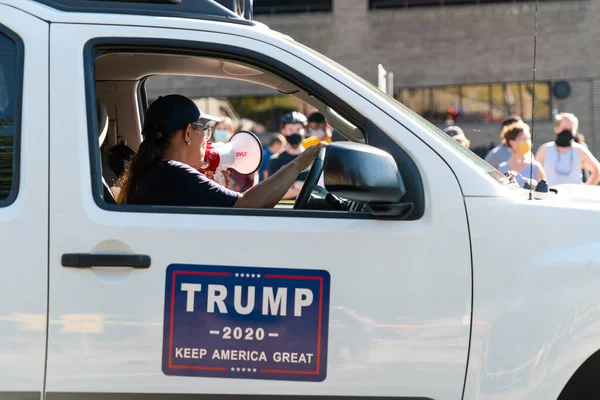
(475, 59)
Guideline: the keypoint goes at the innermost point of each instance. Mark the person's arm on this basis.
(328, 134)
(590, 163)
(540, 155)
(540, 174)
(294, 191)
(268, 193)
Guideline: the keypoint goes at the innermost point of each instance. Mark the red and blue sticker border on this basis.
(206, 270)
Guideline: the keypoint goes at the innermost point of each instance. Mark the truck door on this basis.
(23, 202)
(243, 302)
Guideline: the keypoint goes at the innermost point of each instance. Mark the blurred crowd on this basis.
(566, 159)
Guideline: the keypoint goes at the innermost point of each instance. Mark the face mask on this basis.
(294, 139)
(320, 133)
(220, 135)
(524, 148)
(564, 139)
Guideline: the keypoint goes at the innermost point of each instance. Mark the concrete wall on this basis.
(487, 43)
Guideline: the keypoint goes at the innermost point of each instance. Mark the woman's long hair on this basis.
(150, 152)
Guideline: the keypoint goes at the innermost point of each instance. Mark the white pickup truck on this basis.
(416, 272)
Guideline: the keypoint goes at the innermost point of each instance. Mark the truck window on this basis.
(9, 83)
(283, 106)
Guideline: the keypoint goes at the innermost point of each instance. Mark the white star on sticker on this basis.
(253, 275)
(243, 369)
(236, 275)
(238, 369)
(247, 275)
(254, 370)
(233, 369)
(258, 275)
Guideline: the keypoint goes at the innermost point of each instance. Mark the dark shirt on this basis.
(279, 160)
(282, 159)
(264, 165)
(172, 183)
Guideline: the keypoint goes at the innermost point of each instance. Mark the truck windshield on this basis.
(473, 158)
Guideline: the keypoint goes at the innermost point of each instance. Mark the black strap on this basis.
(117, 156)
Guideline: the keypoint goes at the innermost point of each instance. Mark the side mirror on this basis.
(366, 174)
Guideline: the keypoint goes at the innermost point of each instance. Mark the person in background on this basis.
(501, 153)
(293, 128)
(518, 140)
(318, 129)
(245, 124)
(457, 134)
(223, 131)
(259, 129)
(564, 158)
(276, 144)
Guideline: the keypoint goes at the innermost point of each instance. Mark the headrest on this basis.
(102, 121)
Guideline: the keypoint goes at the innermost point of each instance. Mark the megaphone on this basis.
(243, 153)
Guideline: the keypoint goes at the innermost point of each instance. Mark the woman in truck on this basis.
(165, 169)
(518, 141)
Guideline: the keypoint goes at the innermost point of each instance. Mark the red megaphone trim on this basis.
(211, 158)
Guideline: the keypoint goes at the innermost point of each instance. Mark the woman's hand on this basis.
(305, 160)
(214, 177)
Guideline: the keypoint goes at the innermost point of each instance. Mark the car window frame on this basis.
(16, 148)
(99, 46)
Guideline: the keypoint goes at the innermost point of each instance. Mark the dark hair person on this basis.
(165, 171)
(501, 153)
(518, 141)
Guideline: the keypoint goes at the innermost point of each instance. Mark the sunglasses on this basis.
(208, 127)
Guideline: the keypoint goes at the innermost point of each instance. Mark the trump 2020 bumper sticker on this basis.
(246, 322)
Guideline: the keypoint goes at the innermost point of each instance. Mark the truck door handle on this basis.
(87, 260)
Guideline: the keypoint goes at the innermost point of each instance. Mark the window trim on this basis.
(98, 46)
(19, 76)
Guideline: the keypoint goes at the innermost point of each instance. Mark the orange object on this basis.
(313, 140)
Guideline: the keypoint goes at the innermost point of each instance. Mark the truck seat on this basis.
(102, 132)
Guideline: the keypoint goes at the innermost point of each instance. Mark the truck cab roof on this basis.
(205, 15)
(235, 11)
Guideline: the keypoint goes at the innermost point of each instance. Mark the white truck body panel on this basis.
(382, 270)
(23, 224)
(535, 315)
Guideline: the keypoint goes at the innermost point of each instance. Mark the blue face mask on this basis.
(220, 135)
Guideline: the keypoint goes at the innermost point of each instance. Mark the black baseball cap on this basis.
(170, 113)
(293, 117)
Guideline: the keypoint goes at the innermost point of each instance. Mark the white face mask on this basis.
(320, 133)
(220, 135)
